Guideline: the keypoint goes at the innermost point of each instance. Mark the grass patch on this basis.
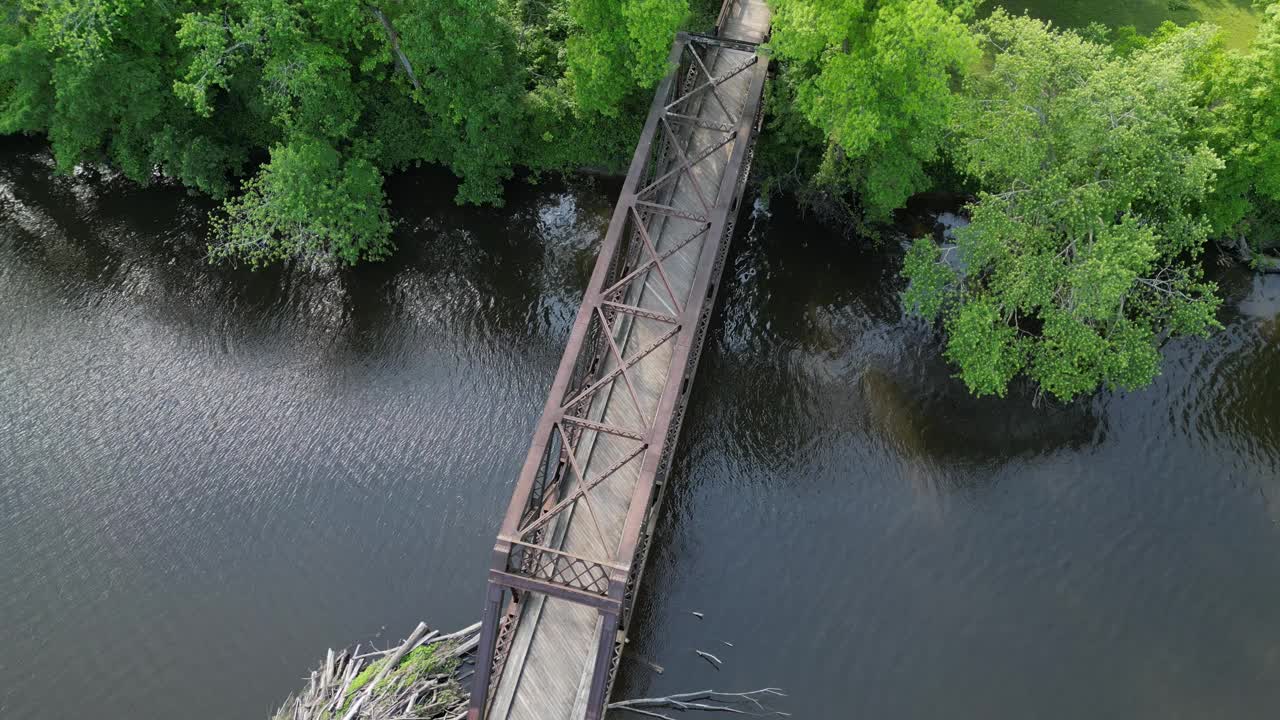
(1237, 18)
(365, 676)
(422, 684)
(420, 663)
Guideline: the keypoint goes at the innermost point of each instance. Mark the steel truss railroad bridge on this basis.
(572, 548)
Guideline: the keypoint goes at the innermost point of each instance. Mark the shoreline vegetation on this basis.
(1237, 18)
(1103, 148)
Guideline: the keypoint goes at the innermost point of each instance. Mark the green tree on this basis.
(470, 86)
(346, 91)
(617, 46)
(295, 76)
(292, 111)
(1243, 94)
(876, 77)
(26, 97)
(95, 77)
(561, 130)
(310, 203)
(1083, 252)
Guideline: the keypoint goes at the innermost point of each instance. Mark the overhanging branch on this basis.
(393, 38)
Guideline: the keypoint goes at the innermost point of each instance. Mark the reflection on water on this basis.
(209, 475)
(882, 545)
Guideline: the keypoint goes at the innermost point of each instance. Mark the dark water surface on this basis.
(209, 475)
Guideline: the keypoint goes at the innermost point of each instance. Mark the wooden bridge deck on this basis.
(573, 546)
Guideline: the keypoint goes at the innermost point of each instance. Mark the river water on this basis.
(209, 475)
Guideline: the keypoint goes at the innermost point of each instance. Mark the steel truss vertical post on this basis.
(484, 658)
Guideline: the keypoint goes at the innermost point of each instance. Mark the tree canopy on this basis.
(1242, 92)
(876, 78)
(619, 46)
(294, 110)
(1082, 254)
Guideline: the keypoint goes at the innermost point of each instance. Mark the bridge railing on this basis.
(725, 9)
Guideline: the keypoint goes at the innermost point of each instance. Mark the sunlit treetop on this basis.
(1083, 252)
(878, 79)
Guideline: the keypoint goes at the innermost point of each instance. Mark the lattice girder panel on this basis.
(544, 563)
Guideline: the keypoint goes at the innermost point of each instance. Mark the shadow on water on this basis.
(815, 344)
(511, 275)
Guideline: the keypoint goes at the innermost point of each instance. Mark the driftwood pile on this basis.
(420, 679)
(426, 678)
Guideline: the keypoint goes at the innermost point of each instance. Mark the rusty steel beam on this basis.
(520, 582)
(708, 152)
(675, 248)
(668, 210)
(622, 363)
(725, 8)
(550, 513)
(657, 263)
(604, 661)
(724, 42)
(714, 81)
(640, 312)
(601, 427)
(577, 335)
(614, 373)
(674, 393)
(699, 122)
